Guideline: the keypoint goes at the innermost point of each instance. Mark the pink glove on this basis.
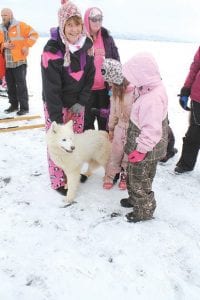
(136, 156)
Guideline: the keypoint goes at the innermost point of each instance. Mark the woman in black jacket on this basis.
(67, 77)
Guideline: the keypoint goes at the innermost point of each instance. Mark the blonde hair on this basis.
(119, 90)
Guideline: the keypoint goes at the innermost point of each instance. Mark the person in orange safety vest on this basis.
(16, 38)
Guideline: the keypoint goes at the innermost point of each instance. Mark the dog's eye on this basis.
(64, 140)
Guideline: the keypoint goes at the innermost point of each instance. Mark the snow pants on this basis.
(118, 158)
(139, 185)
(191, 141)
(99, 99)
(17, 87)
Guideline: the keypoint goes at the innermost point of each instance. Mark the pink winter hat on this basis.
(67, 10)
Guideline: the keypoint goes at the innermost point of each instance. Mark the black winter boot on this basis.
(61, 190)
(11, 109)
(22, 112)
(125, 202)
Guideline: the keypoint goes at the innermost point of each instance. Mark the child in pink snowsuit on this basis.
(120, 108)
(147, 135)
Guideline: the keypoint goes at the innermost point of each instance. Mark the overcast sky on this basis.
(176, 19)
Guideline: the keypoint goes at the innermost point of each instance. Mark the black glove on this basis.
(184, 97)
(185, 92)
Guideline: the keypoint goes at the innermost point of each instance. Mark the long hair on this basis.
(119, 90)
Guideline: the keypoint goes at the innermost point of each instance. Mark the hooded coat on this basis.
(106, 45)
(111, 50)
(192, 81)
(149, 110)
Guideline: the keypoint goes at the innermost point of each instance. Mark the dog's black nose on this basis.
(72, 147)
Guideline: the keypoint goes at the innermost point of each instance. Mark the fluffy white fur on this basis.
(70, 151)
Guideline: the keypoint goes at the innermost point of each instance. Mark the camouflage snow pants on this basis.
(139, 184)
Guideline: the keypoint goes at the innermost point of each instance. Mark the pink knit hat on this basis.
(67, 10)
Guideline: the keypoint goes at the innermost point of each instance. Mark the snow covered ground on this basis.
(81, 252)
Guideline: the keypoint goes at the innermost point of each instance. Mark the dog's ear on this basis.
(54, 126)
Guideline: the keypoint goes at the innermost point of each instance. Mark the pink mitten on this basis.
(136, 156)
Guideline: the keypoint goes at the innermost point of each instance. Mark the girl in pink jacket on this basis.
(146, 136)
(120, 108)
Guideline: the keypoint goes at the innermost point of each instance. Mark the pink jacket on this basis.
(120, 112)
(150, 107)
(99, 54)
(193, 79)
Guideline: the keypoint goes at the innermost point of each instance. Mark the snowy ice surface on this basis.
(81, 252)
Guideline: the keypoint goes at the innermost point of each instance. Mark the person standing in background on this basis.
(104, 47)
(16, 38)
(67, 75)
(191, 141)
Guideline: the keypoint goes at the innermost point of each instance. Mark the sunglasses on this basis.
(96, 19)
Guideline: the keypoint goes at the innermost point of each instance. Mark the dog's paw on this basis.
(83, 178)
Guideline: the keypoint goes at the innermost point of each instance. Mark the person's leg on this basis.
(141, 196)
(191, 142)
(103, 103)
(11, 88)
(171, 141)
(57, 177)
(89, 118)
(114, 164)
(21, 87)
(190, 149)
(3, 83)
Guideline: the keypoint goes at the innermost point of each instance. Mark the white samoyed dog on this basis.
(70, 151)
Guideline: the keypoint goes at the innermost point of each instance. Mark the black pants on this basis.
(171, 142)
(99, 99)
(17, 88)
(191, 141)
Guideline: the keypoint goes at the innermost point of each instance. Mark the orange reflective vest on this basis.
(21, 35)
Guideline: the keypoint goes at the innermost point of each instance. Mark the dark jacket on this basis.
(60, 89)
(109, 44)
(192, 83)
